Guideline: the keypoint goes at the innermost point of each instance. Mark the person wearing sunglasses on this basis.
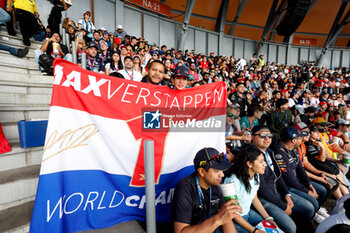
(198, 204)
(273, 192)
(248, 164)
(233, 135)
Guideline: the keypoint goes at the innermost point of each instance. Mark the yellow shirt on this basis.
(26, 5)
(325, 142)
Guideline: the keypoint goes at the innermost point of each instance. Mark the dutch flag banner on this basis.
(92, 171)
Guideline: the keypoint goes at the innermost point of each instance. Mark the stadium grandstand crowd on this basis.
(287, 126)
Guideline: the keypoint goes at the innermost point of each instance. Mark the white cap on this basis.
(102, 28)
(120, 27)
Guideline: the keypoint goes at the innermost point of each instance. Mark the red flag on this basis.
(4, 145)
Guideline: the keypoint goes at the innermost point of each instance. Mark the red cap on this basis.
(117, 40)
(211, 53)
(240, 80)
(87, 12)
(322, 103)
(284, 91)
(123, 46)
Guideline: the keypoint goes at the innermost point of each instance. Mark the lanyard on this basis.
(104, 57)
(269, 161)
(93, 64)
(227, 130)
(202, 196)
(282, 122)
(130, 76)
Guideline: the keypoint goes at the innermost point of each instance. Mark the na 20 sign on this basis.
(152, 5)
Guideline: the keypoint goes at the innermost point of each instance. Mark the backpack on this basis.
(46, 62)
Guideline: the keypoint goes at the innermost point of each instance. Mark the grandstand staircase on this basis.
(25, 94)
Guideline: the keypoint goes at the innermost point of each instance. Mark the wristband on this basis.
(321, 173)
(269, 218)
(255, 229)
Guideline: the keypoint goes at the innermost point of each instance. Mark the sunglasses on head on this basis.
(230, 115)
(264, 135)
(218, 158)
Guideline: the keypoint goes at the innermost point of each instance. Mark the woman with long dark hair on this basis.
(114, 64)
(244, 173)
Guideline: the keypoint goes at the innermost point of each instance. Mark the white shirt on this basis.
(134, 75)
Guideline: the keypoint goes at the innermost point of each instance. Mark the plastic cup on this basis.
(55, 47)
(346, 159)
(228, 191)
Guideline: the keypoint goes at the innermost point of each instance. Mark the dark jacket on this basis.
(278, 121)
(291, 168)
(271, 183)
(242, 101)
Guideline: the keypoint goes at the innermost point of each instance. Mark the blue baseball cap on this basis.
(291, 133)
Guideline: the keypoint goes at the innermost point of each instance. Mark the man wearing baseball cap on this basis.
(198, 204)
(93, 63)
(128, 72)
(292, 170)
(120, 32)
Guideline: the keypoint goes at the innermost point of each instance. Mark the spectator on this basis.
(239, 97)
(114, 65)
(9, 23)
(233, 133)
(106, 38)
(343, 218)
(80, 43)
(71, 31)
(293, 172)
(180, 78)
(316, 154)
(93, 63)
(5, 17)
(193, 72)
(281, 118)
(155, 74)
(53, 48)
(128, 72)
(309, 113)
(339, 228)
(137, 64)
(26, 14)
(192, 208)
(123, 53)
(120, 32)
(86, 24)
(55, 17)
(97, 37)
(343, 126)
(104, 55)
(273, 192)
(244, 173)
(252, 118)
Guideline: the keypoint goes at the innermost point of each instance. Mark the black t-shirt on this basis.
(186, 206)
(49, 50)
